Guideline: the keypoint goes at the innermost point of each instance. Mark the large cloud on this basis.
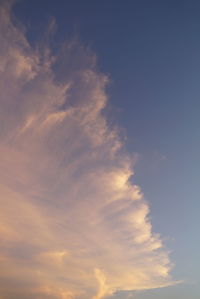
(72, 223)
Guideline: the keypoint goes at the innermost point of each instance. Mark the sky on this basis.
(99, 149)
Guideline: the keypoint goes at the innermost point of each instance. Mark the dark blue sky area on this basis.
(150, 49)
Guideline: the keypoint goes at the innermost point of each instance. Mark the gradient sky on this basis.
(92, 92)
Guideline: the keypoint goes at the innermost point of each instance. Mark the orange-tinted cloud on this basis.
(72, 223)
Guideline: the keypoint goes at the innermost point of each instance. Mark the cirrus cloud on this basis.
(72, 223)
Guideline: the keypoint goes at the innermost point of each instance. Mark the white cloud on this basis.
(72, 224)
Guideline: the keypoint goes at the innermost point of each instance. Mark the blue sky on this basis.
(150, 51)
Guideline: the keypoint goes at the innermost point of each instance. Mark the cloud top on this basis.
(72, 223)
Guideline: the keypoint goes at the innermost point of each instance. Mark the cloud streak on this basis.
(72, 223)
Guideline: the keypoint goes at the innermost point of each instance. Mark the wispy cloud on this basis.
(72, 223)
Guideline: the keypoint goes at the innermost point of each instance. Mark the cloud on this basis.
(72, 223)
